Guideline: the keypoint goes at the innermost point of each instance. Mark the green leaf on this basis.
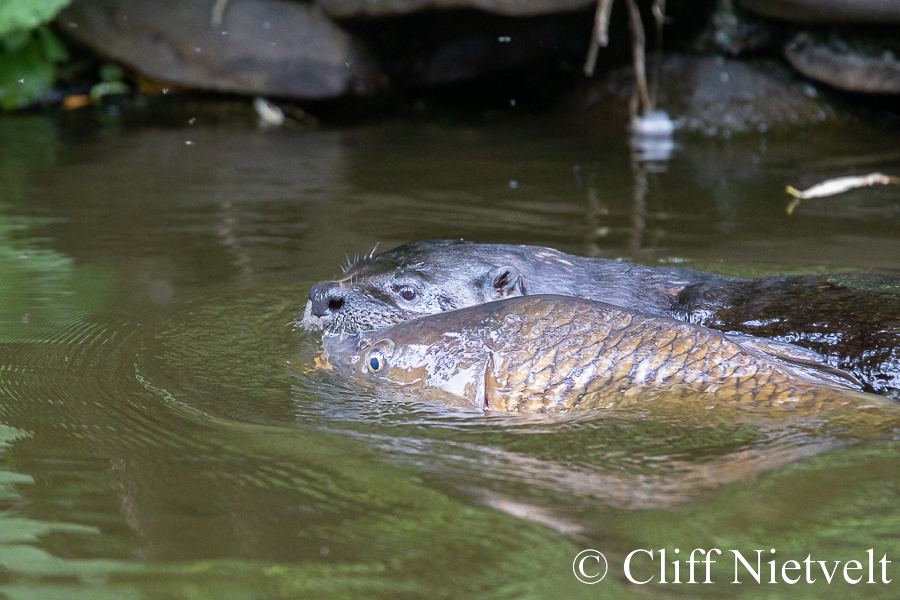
(16, 40)
(23, 15)
(28, 66)
(54, 51)
(25, 74)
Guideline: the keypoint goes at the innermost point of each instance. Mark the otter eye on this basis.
(408, 293)
(375, 361)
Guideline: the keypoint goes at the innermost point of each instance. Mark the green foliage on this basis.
(25, 15)
(29, 52)
(28, 66)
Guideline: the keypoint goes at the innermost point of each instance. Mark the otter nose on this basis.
(325, 298)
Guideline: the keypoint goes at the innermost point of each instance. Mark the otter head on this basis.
(411, 281)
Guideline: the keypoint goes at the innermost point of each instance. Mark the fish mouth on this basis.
(342, 350)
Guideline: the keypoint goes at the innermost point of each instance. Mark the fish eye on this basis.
(377, 357)
(408, 293)
(375, 361)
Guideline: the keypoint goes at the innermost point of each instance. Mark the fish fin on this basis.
(824, 371)
(812, 363)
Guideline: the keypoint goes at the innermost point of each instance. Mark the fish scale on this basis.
(555, 353)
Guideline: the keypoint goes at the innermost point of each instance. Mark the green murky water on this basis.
(161, 435)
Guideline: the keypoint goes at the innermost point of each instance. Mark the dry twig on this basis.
(638, 43)
(643, 102)
(217, 18)
(600, 35)
(839, 185)
(659, 15)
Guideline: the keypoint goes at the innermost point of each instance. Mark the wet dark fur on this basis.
(852, 320)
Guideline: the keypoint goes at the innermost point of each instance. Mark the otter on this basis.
(852, 320)
(549, 353)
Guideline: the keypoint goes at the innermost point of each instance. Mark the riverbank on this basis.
(727, 68)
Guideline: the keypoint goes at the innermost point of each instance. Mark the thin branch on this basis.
(218, 13)
(839, 185)
(599, 36)
(638, 43)
(659, 16)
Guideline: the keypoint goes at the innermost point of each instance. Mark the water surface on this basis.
(162, 435)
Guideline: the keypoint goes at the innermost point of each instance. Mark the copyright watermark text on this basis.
(590, 567)
(644, 566)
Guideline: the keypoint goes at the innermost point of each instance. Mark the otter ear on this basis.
(506, 282)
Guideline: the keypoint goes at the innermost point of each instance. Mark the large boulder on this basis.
(261, 47)
(827, 11)
(849, 57)
(718, 97)
(834, 61)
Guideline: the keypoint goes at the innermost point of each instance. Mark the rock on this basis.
(262, 47)
(733, 31)
(718, 96)
(827, 11)
(519, 8)
(852, 68)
